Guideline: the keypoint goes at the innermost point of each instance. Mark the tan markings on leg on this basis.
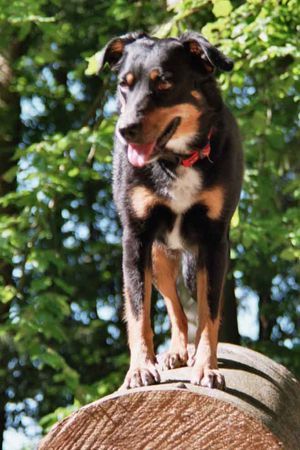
(205, 371)
(130, 79)
(213, 199)
(165, 265)
(143, 200)
(207, 332)
(140, 334)
(156, 121)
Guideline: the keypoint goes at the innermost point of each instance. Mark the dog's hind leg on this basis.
(137, 291)
(165, 264)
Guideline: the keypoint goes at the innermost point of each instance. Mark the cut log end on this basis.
(259, 410)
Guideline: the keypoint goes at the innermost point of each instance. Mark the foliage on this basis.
(263, 91)
(62, 338)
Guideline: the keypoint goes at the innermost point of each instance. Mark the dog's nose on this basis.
(131, 132)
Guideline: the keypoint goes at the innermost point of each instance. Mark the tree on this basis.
(263, 93)
(62, 337)
(60, 251)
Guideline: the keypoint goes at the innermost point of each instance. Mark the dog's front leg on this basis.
(137, 290)
(210, 280)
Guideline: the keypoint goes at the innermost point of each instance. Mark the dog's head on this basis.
(166, 91)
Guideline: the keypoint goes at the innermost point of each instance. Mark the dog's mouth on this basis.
(141, 154)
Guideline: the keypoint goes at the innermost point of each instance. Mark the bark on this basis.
(2, 418)
(266, 320)
(10, 132)
(10, 128)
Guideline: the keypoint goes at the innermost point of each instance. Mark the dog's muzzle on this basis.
(141, 154)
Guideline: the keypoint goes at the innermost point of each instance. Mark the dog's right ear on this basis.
(113, 51)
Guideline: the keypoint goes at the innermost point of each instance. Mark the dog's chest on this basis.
(182, 194)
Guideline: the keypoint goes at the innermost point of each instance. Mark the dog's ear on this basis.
(113, 51)
(209, 56)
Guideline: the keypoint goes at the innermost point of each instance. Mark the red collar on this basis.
(196, 155)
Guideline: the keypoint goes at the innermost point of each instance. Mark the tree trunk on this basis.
(2, 418)
(266, 321)
(10, 124)
(10, 132)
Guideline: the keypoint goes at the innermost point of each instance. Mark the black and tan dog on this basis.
(177, 173)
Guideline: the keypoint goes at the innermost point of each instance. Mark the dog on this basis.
(177, 176)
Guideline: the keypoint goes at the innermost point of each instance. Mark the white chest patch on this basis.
(184, 189)
(182, 196)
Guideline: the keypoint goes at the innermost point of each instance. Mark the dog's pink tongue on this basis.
(139, 155)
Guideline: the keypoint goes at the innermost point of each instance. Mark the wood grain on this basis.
(260, 410)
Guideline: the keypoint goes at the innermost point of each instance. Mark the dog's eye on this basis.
(127, 81)
(123, 84)
(164, 85)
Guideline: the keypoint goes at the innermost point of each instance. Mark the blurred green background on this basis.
(62, 339)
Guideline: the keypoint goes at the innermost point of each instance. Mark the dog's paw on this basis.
(144, 375)
(173, 360)
(191, 360)
(206, 377)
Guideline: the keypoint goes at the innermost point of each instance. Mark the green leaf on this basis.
(10, 175)
(235, 219)
(93, 64)
(289, 254)
(73, 172)
(7, 293)
(222, 8)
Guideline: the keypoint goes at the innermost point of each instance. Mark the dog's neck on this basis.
(196, 155)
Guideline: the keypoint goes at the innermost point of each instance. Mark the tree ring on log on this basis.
(260, 410)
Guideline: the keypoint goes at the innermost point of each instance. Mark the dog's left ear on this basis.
(113, 51)
(209, 55)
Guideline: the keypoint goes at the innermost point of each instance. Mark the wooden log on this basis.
(260, 409)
